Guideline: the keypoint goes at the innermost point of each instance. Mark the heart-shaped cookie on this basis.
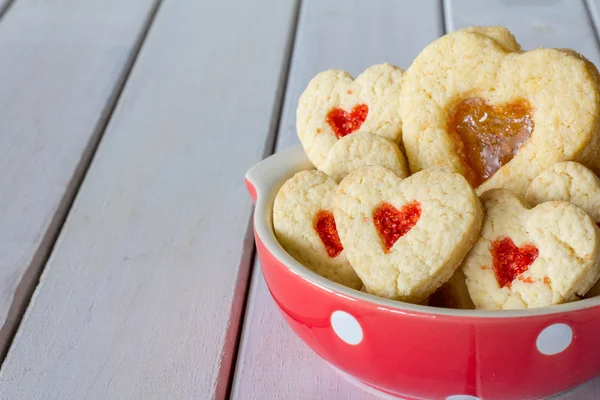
(304, 226)
(406, 237)
(531, 257)
(473, 103)
(334, 105)
(363, 149)
(567, 181)
(572, 182)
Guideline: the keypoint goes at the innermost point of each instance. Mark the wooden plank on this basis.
(61, 64)
(272, 361)
(142, 296)
(535, 23)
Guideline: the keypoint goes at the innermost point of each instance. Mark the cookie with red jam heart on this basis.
(304, 226)
(334, 106)
(405, 238)
(531, 257)
(474, 103)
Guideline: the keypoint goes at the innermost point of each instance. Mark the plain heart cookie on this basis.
(405, 238)
(567, 181)
(335, 105)
(474, 103)
(363, 149)
(305, 227)
(531, 257)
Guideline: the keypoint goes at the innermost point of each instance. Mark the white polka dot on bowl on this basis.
(346, 327)
(462, 397)
(554, 339)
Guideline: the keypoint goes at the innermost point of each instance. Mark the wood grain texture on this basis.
(142, 295)
(535, 23)
(273, 363)
(61, 64)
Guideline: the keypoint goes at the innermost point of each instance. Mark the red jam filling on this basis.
(343, 123)
(324, 224)
(392, 223)
(510, 260)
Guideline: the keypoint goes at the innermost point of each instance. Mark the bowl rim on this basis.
(282, 166)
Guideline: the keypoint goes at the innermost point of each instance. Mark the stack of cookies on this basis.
(467, 181)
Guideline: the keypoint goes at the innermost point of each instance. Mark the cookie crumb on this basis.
(350, 91)
(546, 280)
(319, 130)
(525, 279)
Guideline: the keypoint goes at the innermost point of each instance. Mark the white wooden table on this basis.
(127, 266)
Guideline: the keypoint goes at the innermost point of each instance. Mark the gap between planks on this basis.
(270, 146)
(592, 8)
(30, 279)
(167, 269)
(272, 361)
(5, 7)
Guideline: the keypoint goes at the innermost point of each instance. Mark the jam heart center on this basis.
(324, 225)
(509, 261)
(392, 223)
(343, 123)
(487, 137)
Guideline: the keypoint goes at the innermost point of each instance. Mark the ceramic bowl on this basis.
(421, 352)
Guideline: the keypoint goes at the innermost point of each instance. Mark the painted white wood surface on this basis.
(142, 296)
(272, 362)
(61, 63)
(535, 23)
(594, 11)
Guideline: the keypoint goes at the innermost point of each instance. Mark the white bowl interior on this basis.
(269, 175)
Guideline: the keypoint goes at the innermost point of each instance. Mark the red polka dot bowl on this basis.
(421, 352)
